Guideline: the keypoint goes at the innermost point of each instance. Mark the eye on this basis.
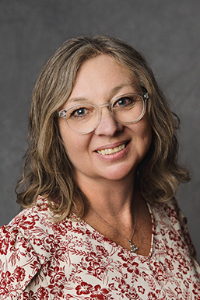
(80, 112)
(123, 101)
(126, 101)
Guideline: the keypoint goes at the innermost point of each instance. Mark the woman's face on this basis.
(99, 80)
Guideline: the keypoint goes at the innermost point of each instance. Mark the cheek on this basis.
(148, 140)
(75, 144)
(67, 137)
(144, 135)
(147, 133)
(72, 145)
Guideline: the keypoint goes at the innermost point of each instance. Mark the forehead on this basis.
(103, 74)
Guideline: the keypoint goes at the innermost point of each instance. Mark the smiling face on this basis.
(112, 151)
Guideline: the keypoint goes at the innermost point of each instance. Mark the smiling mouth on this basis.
(111, 150)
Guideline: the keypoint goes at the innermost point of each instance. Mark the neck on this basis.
(109, 196)
(120, 205)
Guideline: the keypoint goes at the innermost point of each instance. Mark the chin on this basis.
(120, 174)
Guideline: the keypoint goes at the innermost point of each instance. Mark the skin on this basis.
(108, 181)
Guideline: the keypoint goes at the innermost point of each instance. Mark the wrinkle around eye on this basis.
(86, 114)
(125, 101)
(76, 113)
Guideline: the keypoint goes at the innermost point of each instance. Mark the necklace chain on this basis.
(133, 247)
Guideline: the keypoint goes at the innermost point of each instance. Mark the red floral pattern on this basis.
(40, 259)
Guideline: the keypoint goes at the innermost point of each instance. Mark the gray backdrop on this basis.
(166, 32)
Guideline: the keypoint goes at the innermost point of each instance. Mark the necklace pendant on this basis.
(133, 247)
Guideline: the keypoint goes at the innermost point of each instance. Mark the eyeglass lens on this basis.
(85, 117)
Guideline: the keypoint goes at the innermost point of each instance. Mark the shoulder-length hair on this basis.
(48, 171)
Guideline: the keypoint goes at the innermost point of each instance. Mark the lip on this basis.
(110, 146)
(114, 156)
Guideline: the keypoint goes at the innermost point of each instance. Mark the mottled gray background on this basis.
(166, 32)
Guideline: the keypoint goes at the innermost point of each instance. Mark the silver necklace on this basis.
(133, 247)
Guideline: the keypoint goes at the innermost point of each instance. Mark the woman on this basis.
(100, 177)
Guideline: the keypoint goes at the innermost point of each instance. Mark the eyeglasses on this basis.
(125, 109)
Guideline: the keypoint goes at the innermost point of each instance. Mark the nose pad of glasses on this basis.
(107, 123)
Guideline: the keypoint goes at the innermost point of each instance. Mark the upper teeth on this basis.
(111, 150)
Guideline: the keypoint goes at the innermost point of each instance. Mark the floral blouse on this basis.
(41, 259)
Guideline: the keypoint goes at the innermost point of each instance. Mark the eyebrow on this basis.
(120, 86)
(112, 92)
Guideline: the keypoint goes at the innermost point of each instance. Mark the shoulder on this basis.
(38, 212)
(34, 225)
(169, 214)
(25, 246)
(168, 211)
(171, 222)
(30, 224)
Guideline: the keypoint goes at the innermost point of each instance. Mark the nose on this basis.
(107, 125)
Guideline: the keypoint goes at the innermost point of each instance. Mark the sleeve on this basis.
(19, 262)
(183, 224)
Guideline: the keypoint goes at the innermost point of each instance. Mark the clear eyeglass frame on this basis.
(144, 96)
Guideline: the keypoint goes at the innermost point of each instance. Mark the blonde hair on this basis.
(48, 171)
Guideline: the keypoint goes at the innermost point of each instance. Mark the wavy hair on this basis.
(48, 171)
